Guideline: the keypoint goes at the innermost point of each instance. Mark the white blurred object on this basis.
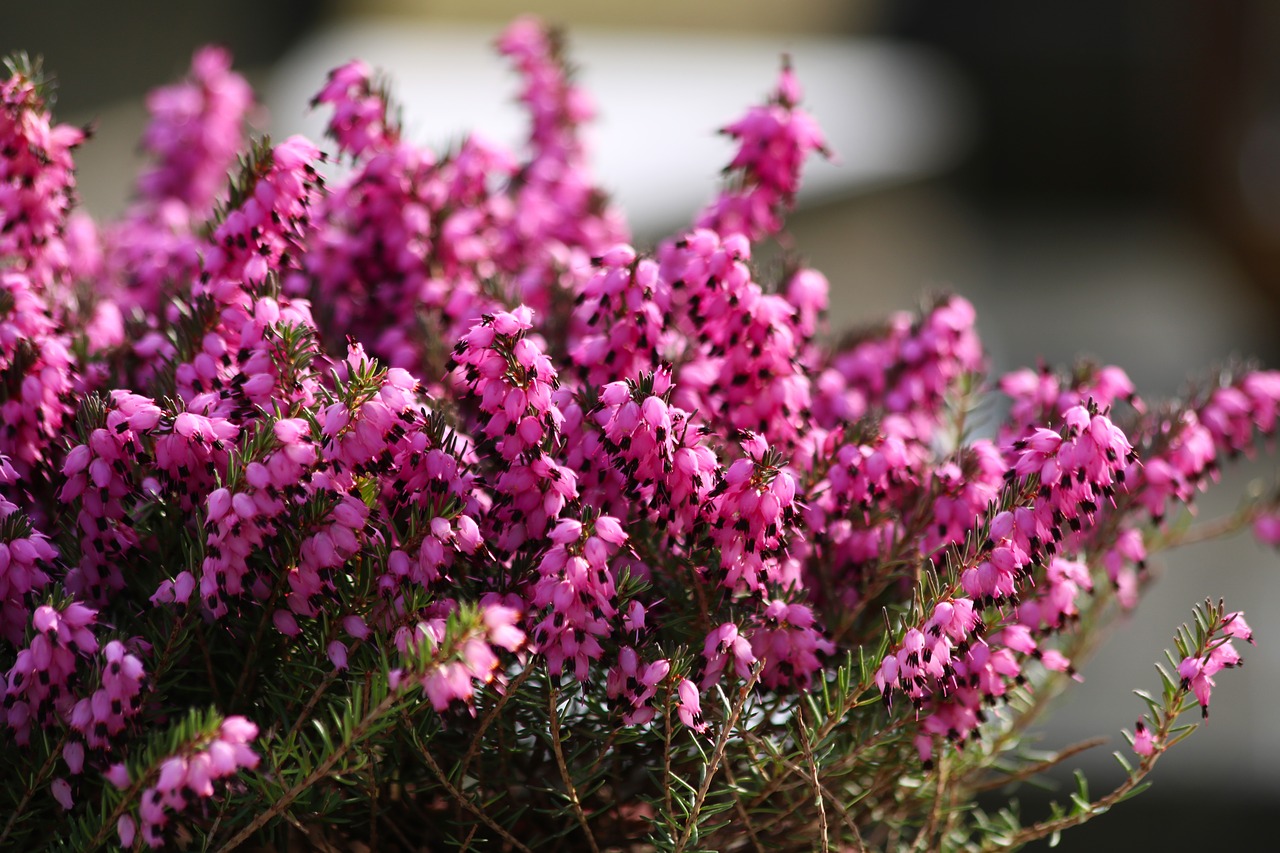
(891, 113)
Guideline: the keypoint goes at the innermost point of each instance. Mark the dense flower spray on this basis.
(409, 494)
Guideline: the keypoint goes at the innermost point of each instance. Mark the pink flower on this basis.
(1144, 741)
(1194, 676)
(73, 755)
(291, 430)
(61, 790)
(118, 776)
(1266, 529)
(447, 683)
(173, 774)
(238, 730)
(355, 627)
(1233, 625)
(189, 776)
(501, 624)
(195, 131)
(775, 140)
(285, 623)
(689, 706)
(126, 829)
(360, 122)
(633, 621)
(726, 645)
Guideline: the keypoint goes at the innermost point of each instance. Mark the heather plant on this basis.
(406, 504)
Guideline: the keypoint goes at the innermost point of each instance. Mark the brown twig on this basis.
(208, 664)
(397, 831)
(929, 833)
(320, 772)
(818, 791)
(373, 803)
(108, 826)
(489, 718)
(321, 844)
(54, 755)
(1038, 767)
(462, 799)
(717, 756)
(666, 754)
(1206, 531)
(1049, 827)
(316, 694)
(742, 811)
(249, 672)
(570, 790)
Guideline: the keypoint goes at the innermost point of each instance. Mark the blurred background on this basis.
(1099, 179)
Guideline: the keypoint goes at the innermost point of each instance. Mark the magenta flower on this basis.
(1266, 529)
(689, 707)
(61, 790)
(359, 122)
(635, 682)
(37, 180)
(196, 131)
(188, 777)
(434, 412)
(1144, 740)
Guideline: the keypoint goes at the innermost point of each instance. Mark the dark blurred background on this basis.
(104, 53)
(1143, 103)
(1109, 184)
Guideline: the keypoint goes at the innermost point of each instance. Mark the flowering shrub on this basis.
(417, 504)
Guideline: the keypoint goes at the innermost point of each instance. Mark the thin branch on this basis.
(305, 714)
(570, 789)
(820, 790)
(881, 736)
(807, 749)
(666, 755)
(929, 833)
(1135, 778)
(1206, 531)
(223, 803)
(249, 672)
(203, 642)
(108, 826)
(489, 718)
(716, 757)
(1038, 767)
(286, 799)
(162, 660)
(953, 811)
(313, 841)
(397, 831)
(849, 759)
(54, 755)
(373, 802)
(1049, 827)
(741, 810)
(466, 801)
(606, 751)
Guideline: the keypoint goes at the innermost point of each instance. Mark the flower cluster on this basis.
(774, 141)
(462, 657)
(39, 684)
(37, 177)
(183, 778)
(447, 501)
(1197, 671)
